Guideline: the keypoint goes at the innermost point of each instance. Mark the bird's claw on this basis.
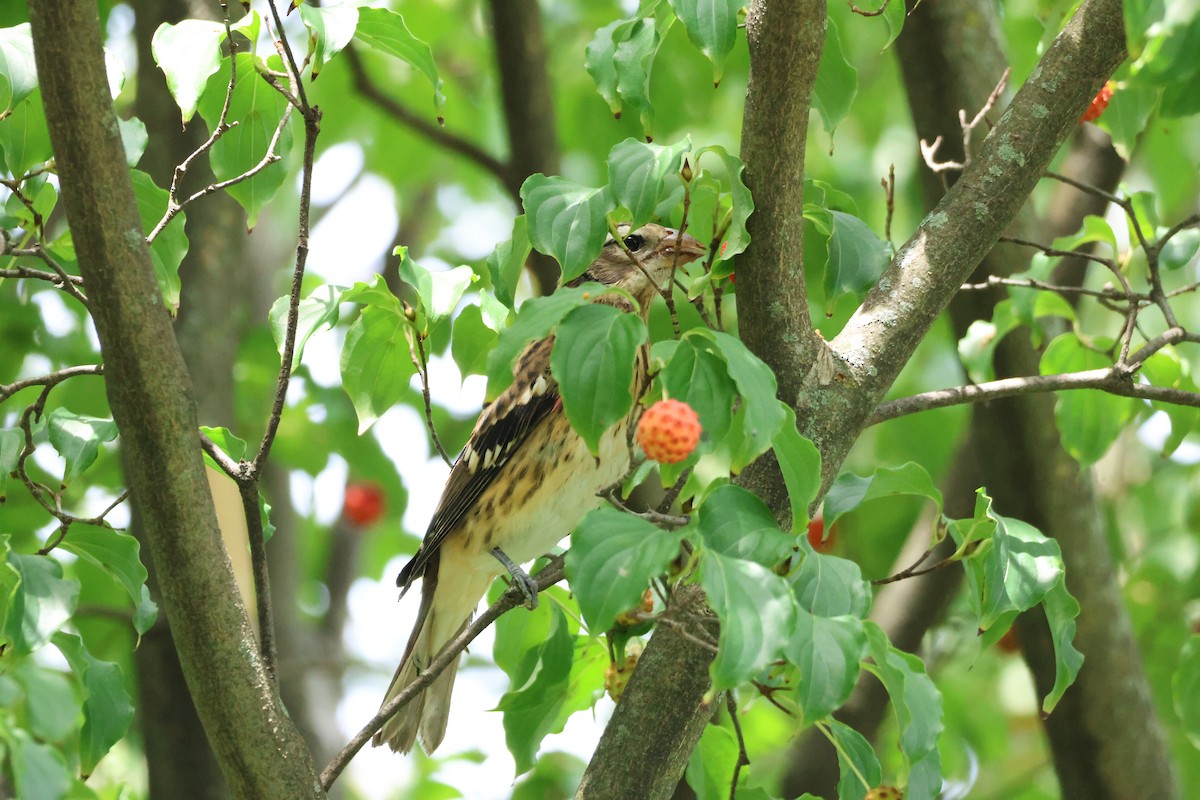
(520, 578)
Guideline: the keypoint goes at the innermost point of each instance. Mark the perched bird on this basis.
(522, 482)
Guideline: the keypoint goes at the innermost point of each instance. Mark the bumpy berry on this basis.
(885, 793)
(616, 677)
(1099, 103)
(636, 615)
(668, 431)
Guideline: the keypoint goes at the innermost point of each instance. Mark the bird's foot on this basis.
(520, 577)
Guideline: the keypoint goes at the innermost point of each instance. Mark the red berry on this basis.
(820, 541)
(669, 431)
(1099, 103)
(363, 504)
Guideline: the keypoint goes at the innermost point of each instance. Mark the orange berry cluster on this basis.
(669, 431)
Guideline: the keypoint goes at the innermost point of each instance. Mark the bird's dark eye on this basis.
(634, 242)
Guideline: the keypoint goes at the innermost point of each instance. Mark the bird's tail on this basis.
(428, 712)
(447, 605)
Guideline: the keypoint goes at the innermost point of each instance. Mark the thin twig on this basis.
(743, 759)
(1114, 380)
(929, 151)
(49, 380)
(423, 370)
(669, 521)
(549, 575)
(219, 130)
(863, 12)
(434, 133)
(889, 192)
(312, 127)
(262, 580)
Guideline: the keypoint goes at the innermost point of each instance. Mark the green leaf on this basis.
(170, 246)
(756, 384)
(638, 173)
(856, 761)
(258, 110)
(12, 442)
(917, 702)
(385, 31)
(330, 29)
(18, 73)
(800, 462)
(24, 137)
(439, 292)
(234, 447)
(107, 710)
(535, 320)
(1089, 421)
(829, 586)
(531, 710)
(1094, 229)
(977, 348)
(566, 220)
(710, 769)
(1185, 689)
(134, 139)
(188, 53)
(505, 264)
(849, 491)
(612, 558)
(376, 292)
(1180, 249)
(77, 438)
(826, 651)
(756, 610)
(50, 700)
(39, 771)
(1015, 568)
(1127, 115)
(40, 602)
(318, 310)
(857, 257)
(600, 62)
(471, 341)
(699, 377)
(1165, 368)
(1061, 612)
(376, 363)
(736, 523)
(837, 81)
(119, 555)
(518, 640)
(893, 16)
(595, 347)
(736, 237)
(712, 26)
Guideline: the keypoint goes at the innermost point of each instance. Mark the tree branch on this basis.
(549, 575)
(1109, 379)
(439, 136)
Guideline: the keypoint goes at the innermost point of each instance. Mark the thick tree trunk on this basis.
(152, 402)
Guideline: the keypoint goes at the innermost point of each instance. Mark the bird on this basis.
(523, 481)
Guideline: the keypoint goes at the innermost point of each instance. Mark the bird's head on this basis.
(655, 249)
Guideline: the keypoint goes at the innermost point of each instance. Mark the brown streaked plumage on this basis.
(522, 482)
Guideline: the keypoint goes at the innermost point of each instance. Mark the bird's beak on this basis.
(688, 247)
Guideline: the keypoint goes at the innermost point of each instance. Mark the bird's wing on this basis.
(502, 429)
